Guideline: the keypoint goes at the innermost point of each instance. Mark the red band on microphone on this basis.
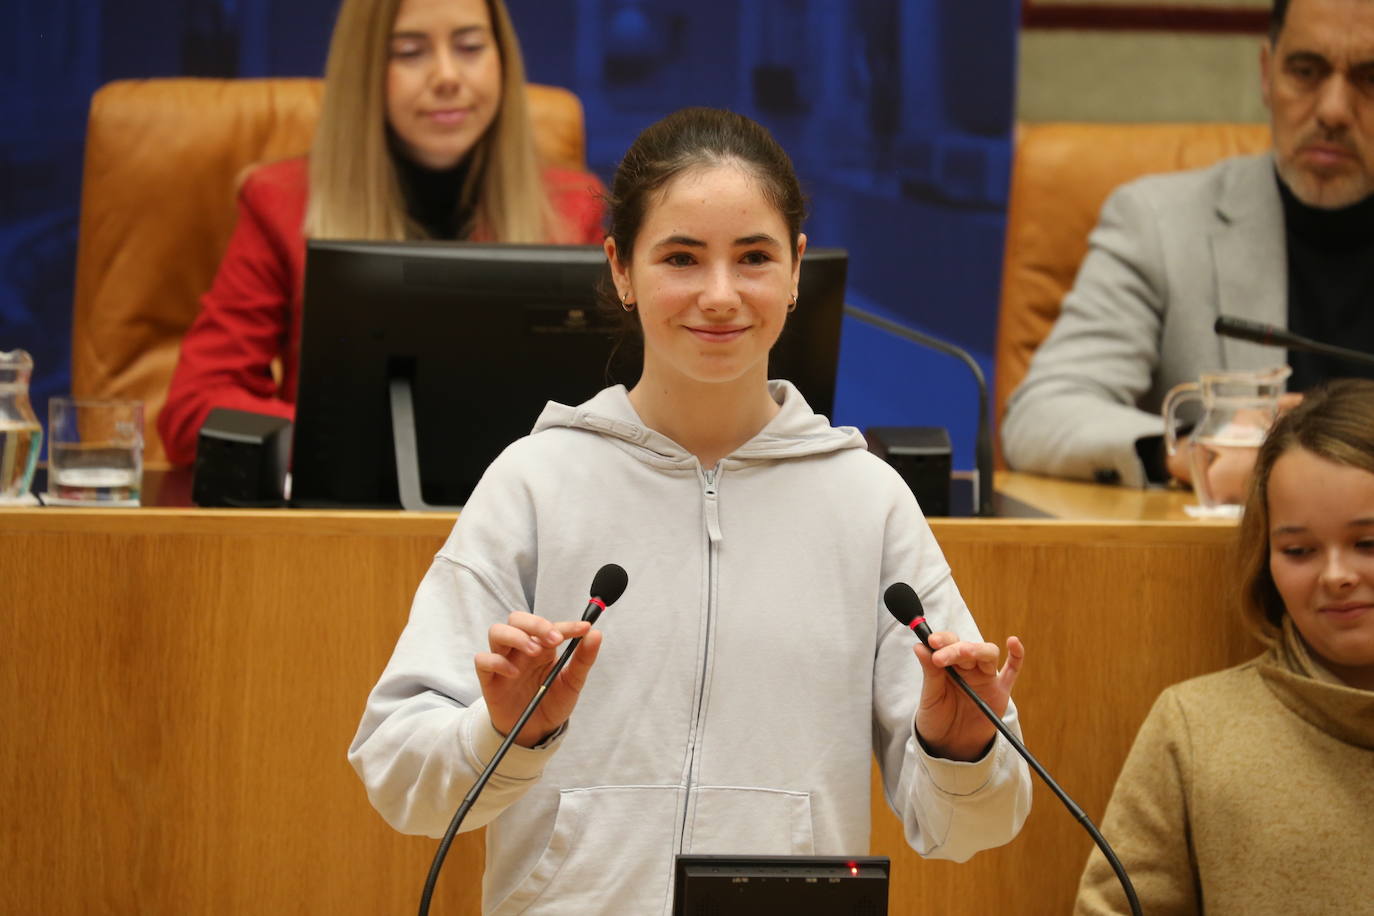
(597, 601)
(916, 623)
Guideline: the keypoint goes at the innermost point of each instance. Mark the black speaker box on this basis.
(241, 459)
(922, 455)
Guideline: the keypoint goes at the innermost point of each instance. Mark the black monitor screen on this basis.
(479, 337)
(706, 885)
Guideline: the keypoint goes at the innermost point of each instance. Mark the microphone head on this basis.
(609, 583)
(1253, 331)
(902, 603)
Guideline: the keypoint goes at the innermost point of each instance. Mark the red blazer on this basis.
(251, 316)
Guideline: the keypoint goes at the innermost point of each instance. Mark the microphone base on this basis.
(922, 455)
(241, 459)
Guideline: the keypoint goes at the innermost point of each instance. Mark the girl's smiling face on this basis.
(1321, 557)
(712, 276)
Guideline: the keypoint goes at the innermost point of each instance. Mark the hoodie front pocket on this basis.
(753, 821)
(611, 852)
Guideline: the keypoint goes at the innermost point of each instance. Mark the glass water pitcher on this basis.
(1237, 410)
(21, 435)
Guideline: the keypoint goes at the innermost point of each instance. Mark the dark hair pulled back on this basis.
(700, 138)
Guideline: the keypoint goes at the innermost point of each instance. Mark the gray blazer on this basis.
(1169, 254)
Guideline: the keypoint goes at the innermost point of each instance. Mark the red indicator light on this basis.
(854, 869)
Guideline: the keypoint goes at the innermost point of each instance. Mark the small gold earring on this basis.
(792, 305)
(625, 302)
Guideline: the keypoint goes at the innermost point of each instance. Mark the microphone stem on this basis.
(487, 773)
(1044, 775)
(1341, 353)
(982, 447)
(1266, 335)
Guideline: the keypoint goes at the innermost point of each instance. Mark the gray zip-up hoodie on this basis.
(746, 678)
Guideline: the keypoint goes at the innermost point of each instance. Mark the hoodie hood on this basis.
(795, 432)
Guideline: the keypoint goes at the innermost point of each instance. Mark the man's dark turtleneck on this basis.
(431, 197)
(1330, 285)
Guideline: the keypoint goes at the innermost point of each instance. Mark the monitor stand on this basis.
(408, 451)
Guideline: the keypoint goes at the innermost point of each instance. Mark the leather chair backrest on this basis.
(1061, 175)
(163, 161)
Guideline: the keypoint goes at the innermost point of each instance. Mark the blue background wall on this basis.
(896, 112)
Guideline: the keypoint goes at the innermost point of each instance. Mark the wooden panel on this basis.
(179, 706)
(179, 689)
(1110, 614)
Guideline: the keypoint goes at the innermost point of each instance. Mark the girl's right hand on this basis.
(523, 651)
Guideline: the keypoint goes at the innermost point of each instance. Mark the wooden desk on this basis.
(179, 688)
(1081, 501)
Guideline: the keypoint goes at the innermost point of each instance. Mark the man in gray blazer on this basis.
(1250, 237)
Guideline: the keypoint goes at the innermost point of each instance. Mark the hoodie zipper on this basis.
(710, 494)
(711, 507)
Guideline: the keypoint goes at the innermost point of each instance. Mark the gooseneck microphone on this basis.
(982, 446)
(607, 586)
(1270, 336)
(902, 603)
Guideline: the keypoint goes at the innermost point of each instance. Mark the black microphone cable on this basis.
(607, 586)
(903, 603)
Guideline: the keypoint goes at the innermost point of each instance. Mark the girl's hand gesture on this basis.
(523, 651)
(948, 722)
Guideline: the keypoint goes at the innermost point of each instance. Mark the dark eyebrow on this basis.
(1299, 529)
(460, 31)
(1307, 57)
(684, 240)
(760, 238)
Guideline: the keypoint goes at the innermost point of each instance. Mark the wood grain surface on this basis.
(180, 688)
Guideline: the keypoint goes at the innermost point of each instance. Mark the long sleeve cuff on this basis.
(480, 741)
(958, 777)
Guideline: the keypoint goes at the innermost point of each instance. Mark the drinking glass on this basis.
(95, 451)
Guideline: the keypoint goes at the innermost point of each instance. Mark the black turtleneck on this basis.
(1330, 285)
(432, 197)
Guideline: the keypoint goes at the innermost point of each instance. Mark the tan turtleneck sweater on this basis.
(1248, 792)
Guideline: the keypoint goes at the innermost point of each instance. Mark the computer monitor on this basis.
(421, 361)
(723, 885)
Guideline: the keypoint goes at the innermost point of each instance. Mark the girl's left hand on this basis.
(948, 722)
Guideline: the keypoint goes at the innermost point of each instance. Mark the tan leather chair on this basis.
(163, 159)
(1061, 175)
